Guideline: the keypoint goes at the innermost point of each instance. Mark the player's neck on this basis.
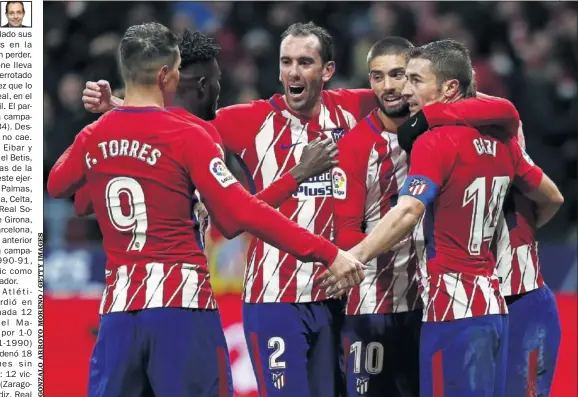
(310, 113)
(389, 124)
(455, 98)
(141, 96)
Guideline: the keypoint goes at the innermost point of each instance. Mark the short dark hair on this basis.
(450, 60)
(144, 49)
(197, 48)
(390, 45)
(301, 29)
(14, 2)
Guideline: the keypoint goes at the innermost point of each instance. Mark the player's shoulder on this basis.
(205, 125)
(254, 109)
(349, 93)
(453, 135)
(365, 133)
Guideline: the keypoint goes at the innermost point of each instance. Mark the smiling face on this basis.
(422, 87)
(387, 80)
(15, 14)
(302, 72)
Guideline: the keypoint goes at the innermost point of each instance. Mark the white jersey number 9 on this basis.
(136, 220)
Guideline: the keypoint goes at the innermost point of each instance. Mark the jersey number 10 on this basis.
(135, 221)
(484, 217)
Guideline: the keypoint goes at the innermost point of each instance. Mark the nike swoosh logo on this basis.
(286, 147)
(414, 123)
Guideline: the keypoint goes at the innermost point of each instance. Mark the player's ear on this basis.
(163, 76)
(202, 84)
(450, 89)
(328, 70)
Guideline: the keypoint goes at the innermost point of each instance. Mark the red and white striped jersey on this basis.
(142, 167)
(518, 263)
(372, 168)
(517, 260)
(270, 138)
(463, 187)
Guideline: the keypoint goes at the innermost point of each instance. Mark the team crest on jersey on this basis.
(362, 385)
(337, 134)
(339, 180)
(221, 173)
(417, 187)
(278, 380)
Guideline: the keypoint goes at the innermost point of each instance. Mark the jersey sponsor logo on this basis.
(339, 183)
(317, 186)
(418, 187)
(221, 173)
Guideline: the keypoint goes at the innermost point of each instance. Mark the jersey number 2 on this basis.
(135, 221)
(484, 219)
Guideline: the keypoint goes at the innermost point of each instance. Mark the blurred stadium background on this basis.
(527, 52)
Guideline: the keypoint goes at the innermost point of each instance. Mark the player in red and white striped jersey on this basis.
(459, 282)
(282, 301)
(142, 163)
(383, 320)
(534, 324)
(384, 312)
(291, 326)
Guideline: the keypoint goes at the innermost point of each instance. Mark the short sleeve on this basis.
(239, 124)
(528, 174)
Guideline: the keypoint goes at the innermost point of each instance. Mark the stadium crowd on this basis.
(526, 52)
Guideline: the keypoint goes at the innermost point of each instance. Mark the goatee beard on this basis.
(394, 113)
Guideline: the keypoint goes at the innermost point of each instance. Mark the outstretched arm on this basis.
(232, 206)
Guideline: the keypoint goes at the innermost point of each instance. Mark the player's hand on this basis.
(344, 273)
(97, 96)
(202, 216)
(408, 132)
(317, 157)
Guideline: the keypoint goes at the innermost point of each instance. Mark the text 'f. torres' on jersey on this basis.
(143, 168)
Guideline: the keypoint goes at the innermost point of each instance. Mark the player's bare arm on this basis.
(391, 229)
(548, 199)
